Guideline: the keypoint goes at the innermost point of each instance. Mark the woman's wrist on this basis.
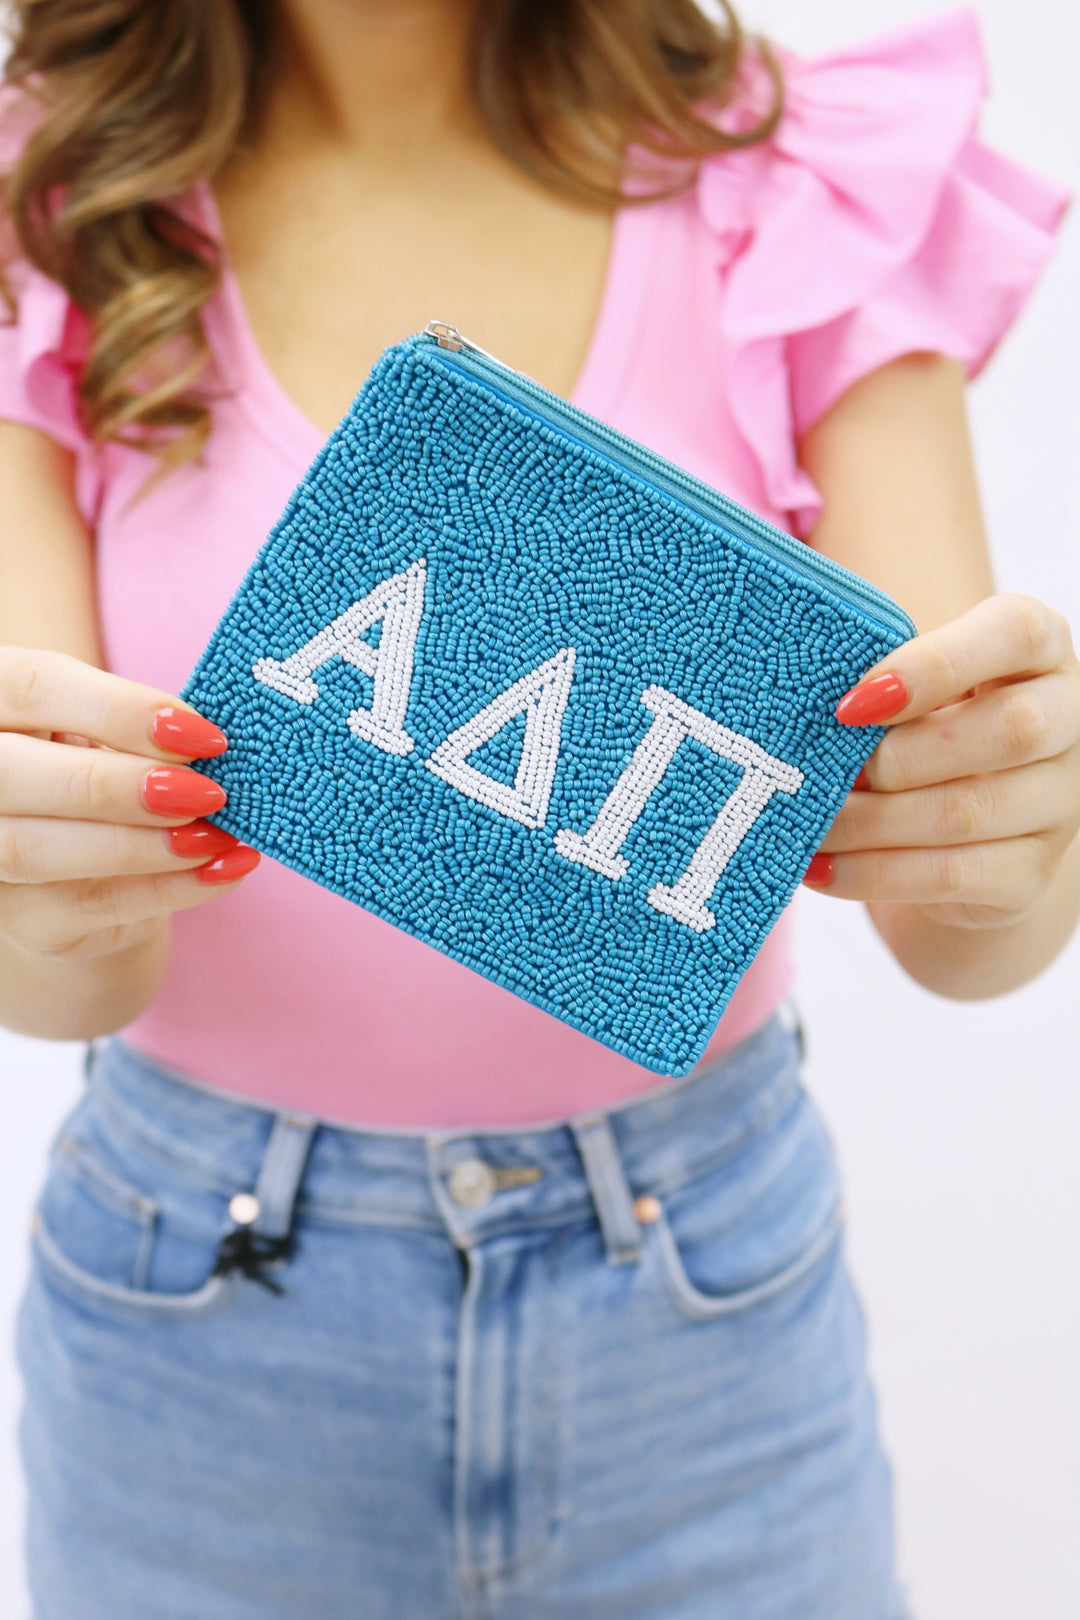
(977, 963)
(63, 998)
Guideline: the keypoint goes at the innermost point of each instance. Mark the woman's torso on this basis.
(283, 990)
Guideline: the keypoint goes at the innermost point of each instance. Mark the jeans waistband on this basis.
(474, 1184)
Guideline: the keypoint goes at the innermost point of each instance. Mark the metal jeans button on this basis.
(472, 1183)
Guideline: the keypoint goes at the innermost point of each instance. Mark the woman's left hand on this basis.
(968, 805)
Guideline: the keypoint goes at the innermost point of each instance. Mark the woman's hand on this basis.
(100, 836)
(972, 799)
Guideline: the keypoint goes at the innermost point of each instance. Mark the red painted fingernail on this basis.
(861, 783)
(237, 863)
(820, 871)
(169, 792)
(873, 701)
(200, 838)
(181, 731)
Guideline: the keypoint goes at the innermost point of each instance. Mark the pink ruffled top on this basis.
(874, 223)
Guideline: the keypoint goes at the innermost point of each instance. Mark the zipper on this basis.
(458, 353)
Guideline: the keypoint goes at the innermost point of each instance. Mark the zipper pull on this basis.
(445, 335)
(448, 337)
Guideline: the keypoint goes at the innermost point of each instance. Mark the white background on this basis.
(959, 1126)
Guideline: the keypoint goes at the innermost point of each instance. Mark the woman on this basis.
(359, 1284)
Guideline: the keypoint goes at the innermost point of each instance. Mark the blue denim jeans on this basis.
(611, 1368)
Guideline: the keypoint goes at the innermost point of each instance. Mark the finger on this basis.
(95, 784)
(1003, 637)
(54, 918)
(998, 730)
(1008, 874)
(974, 809)
(37, 849)
(54, 693)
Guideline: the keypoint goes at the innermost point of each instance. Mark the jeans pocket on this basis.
(749, 1231)
(124, 1238)
(703, 1306)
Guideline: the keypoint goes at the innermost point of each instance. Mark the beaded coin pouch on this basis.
(525, 689)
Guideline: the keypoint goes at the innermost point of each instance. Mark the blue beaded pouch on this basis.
(525, 689)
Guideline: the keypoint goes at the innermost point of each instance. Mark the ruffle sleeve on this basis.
(40, 352)
(873, 224)
(43, 345)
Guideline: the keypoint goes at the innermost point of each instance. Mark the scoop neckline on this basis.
(269, 406)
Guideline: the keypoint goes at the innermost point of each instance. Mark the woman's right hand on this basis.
(101, 835)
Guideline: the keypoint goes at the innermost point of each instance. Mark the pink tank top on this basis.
(872, 224)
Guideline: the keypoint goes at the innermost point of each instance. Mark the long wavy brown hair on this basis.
(133, 101)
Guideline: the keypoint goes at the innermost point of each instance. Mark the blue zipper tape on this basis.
(663, 477)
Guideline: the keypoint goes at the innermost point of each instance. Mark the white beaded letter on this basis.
(541, 696)
(599, 847)
(399, 603)
(763, 776)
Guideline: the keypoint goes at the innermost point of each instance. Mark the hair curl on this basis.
(136, 100)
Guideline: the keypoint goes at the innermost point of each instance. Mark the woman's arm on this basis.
(48, 601)
(89, 871)
(965, 845)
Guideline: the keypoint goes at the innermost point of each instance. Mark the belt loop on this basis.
(262, 1221)
(90, 1057)
(610, 1192)
(791, 1020)
(280, 1173)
